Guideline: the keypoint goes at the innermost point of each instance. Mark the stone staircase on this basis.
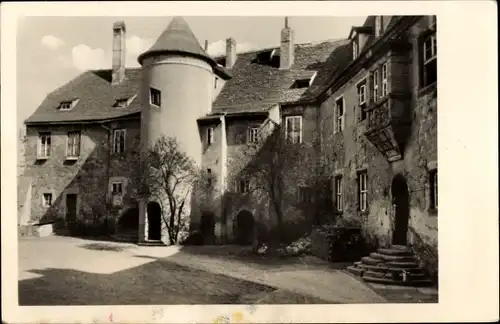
(393, 266)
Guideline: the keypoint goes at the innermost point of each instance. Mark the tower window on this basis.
(155, 97)
(338, 193)
(243, 186)
(293, 129)
(210, 135)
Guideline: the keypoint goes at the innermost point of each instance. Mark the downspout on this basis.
(223, 178)
(108, 167)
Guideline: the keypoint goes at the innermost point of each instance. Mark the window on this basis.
(243, 186)
(339, 115)
(362, 189)
(355, 48)
(378, 25)
(155, 97)
(44, 140)
(118, 140)
(117, 189)
(210, 135)
(209, 177)
(253, 135)
(305, 195)
(215, 82)
(338, 193)
(293, 129)
(47, 199)
(429, 69)
(121, 103)
(66, 105)
(384, 80)
(375, 85)
(362, 100)
(302, 83)
(73, 147)
(433, 179)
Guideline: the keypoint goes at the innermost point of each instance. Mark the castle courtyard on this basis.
(71, 271)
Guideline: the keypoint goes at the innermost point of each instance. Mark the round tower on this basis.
(177, 88)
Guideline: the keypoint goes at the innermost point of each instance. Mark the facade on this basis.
(362, 108)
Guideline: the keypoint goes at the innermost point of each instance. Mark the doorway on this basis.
(207, 227)
(154, 221)
(71, 208)
(244, 227)
(401, 200)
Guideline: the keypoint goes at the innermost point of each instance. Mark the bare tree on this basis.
(169, 176)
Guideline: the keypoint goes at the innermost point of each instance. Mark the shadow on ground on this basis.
(157, 282)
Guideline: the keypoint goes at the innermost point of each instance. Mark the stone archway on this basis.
(245, 225)
(401, 200)
(154, 221)
(207, 227)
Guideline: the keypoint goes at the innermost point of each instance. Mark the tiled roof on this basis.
(254, 87)
(258, 85)
(177, 37)
(96, 98)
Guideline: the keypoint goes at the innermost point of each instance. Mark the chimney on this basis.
(287, 47)
(119, 51)
(230, 53)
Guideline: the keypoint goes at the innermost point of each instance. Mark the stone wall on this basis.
(350, 152)
(88, 177)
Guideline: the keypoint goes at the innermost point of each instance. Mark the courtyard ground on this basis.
(72, 271)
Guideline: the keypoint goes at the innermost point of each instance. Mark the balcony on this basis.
(389, 125)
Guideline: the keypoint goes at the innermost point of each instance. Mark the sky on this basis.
(53, 50)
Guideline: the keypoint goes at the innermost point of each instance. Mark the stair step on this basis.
(389, 281)
(386, 269)
(355, 270)
(392, 251)
(151, 243)
(385, 257)
(370, 261)
(376, 274)
(402, 264)
(400, 247)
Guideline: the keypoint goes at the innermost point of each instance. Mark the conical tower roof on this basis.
(177, 38)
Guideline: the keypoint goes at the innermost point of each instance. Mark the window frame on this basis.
(375, 81)
(339, 202)
(385, 80)
(243, 186)
(362, 190)
(253, 135)
(69, 154)
(433, 189)
(152, 93)
(114, 140)
(47, 145)
(44, 200)
(119, 184)
(287, 135)
(339, 119)
(362, 104)
(425, 62)
(210, 135)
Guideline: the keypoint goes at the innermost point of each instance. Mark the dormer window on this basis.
(124, 102)
(355, 48)
(155, 97)
(268, 57)
(378, 25)
(302, 83)
(67, 105)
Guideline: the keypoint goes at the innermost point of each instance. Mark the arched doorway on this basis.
(244, 227)
(207, 227)
(401, 200)
(154, 221)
